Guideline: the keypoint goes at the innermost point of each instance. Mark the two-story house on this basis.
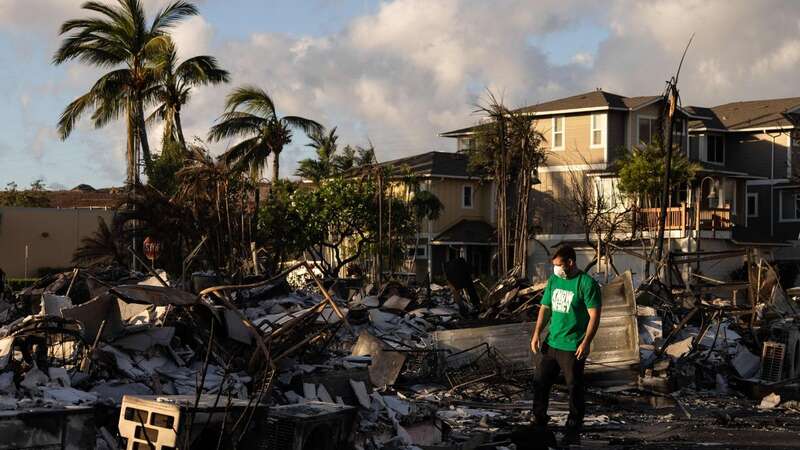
(759, 138)
(744, 150)
(464, 226)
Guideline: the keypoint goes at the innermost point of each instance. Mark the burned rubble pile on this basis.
(389, 366)
(98, 338)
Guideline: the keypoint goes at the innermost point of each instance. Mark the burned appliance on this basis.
(308, 426)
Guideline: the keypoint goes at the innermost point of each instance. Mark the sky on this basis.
(393, 73)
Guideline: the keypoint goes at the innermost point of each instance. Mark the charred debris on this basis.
(132, 360)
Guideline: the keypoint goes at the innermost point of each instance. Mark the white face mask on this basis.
(560, 272)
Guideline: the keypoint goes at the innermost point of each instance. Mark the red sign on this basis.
(152, 248)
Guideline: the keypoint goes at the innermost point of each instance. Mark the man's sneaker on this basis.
(571, 437)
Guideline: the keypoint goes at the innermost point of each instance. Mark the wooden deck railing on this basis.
(683, 218)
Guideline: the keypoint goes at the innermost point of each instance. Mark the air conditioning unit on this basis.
(780, 358)
(307, 426)
(161, 422)
(772, 361)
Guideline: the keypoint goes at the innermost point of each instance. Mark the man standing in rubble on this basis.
(571, 301)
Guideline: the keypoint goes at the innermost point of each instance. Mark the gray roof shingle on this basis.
(749, 114)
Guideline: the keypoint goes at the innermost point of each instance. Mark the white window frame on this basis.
(704, 152)
(747, 206)
(421, 251)
(471, 196)
(594, 126)
(553, 133)
(652, 119)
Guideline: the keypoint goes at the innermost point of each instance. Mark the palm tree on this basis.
(174, 83)
(324, 165)
(264, 132)
(352, 157)
(104, 246)
(117, 36)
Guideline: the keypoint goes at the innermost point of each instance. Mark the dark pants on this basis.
(551, 361)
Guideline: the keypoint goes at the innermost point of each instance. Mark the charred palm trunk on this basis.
(179, 128)
(276, 165)
(145, 145)
(130, 153)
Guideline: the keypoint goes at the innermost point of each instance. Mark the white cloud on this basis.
(583, 58)
(414, 68)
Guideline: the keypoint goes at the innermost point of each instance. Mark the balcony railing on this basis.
(683, 218)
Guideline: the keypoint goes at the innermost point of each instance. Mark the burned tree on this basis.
(508, 151)
(603, 214)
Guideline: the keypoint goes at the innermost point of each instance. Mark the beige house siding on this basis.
(51, 234)
(553, 210)
(450, 192)
(576, 148)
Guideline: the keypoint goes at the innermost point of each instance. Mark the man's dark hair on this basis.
(565, 252)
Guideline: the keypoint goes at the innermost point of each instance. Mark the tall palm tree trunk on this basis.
(143, 135)
(130, 153)
(179, 129)
(276, 165)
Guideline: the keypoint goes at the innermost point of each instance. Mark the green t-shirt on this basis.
(569, 301)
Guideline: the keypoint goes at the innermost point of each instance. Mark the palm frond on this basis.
(73, 112)
(233, 124)
(172, 14)
(307, 125)
(201, 70)
(253, 99)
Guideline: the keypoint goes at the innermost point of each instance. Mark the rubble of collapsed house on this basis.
(110, 359)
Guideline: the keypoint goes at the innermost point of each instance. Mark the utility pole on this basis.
(672, 99)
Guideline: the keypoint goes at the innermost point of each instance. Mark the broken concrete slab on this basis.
(145, 339)
(114, 390)
(385, 365)
(68, 396)
(679, 348)
(59, 375)
(237, 330)
(360, 389)
(396, 303)
(92, 314)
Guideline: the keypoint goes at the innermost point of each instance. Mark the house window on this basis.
(797, 206)
(598, 122)
(466, 197)
(466, 143)
(558, 133)
(678, 135)
(789, 205)
(647, 130)
(752, 204)
(419, 252)
(694, 146)
(715, 149)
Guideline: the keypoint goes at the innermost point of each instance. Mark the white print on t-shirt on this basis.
(561, 300)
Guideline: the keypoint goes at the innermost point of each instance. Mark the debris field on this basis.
(110, 359)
